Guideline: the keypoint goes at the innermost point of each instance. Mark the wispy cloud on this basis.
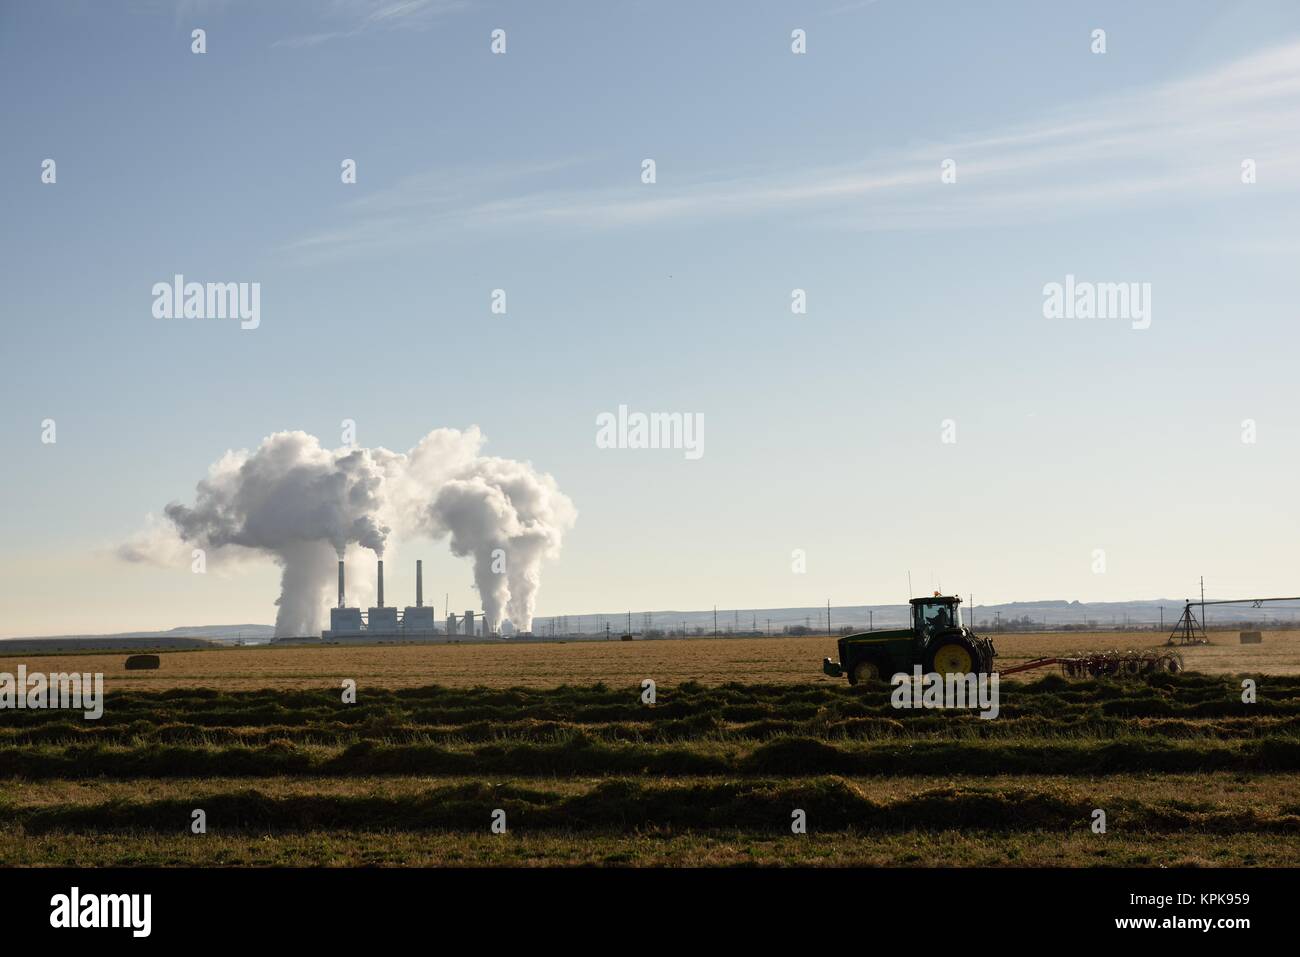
(1178, 142)
(354, 17)
(850, 7)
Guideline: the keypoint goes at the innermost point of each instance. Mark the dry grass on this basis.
(844, 849)
(543, 665)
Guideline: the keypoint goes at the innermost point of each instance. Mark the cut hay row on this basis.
(395, 729)
(626, 805)
(581, 755)
(1054, 698)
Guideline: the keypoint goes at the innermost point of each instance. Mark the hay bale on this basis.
(142, 662)
(1252, 637)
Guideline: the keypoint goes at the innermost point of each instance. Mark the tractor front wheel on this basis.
(865, 671)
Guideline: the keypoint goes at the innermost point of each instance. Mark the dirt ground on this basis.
(617, 663)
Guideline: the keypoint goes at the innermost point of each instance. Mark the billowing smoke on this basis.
(302, 505)
(507, 518)
(292, 500)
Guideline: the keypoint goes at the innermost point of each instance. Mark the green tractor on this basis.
(936, 640)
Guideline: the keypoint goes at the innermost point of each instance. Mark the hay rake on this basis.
(1108, 664)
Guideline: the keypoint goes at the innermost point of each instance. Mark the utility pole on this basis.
(871, 619)
(715, 621)
(828, 617)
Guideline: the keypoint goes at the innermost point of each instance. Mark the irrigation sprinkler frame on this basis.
(1191, 631)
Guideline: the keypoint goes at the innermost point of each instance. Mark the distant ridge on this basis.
(186, 636)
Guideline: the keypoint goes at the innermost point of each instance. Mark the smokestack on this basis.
(340, 583)
(419, 583)
(381, 583)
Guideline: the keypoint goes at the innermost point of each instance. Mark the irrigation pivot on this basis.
(1191, 631)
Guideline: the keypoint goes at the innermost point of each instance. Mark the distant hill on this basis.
(187, 636)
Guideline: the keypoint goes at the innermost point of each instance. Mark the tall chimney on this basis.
(381, 583)
(340, 583)
(419, 583)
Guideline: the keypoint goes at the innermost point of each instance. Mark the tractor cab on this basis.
(935, 615)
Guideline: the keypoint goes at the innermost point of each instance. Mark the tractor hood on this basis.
(892, 635)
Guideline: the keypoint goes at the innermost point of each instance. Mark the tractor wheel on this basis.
(866, 670)
(955, 655)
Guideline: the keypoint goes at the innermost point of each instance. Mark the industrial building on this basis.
(384, 622)
(417, 619)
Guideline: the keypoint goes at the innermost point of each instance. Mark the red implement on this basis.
(1108, 664)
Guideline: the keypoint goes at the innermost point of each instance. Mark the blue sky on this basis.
(774, 172)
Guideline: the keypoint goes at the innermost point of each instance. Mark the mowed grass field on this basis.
(744, 733)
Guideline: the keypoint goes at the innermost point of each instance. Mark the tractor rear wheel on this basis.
(954, 655)
(866, 670)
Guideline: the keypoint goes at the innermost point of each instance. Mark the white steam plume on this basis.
(508, 518)
(303, 505)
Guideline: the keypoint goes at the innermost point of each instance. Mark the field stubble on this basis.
(744, 731)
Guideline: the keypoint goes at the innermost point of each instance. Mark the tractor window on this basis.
(939, 616)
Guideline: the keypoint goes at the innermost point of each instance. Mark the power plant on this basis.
(382, 621)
